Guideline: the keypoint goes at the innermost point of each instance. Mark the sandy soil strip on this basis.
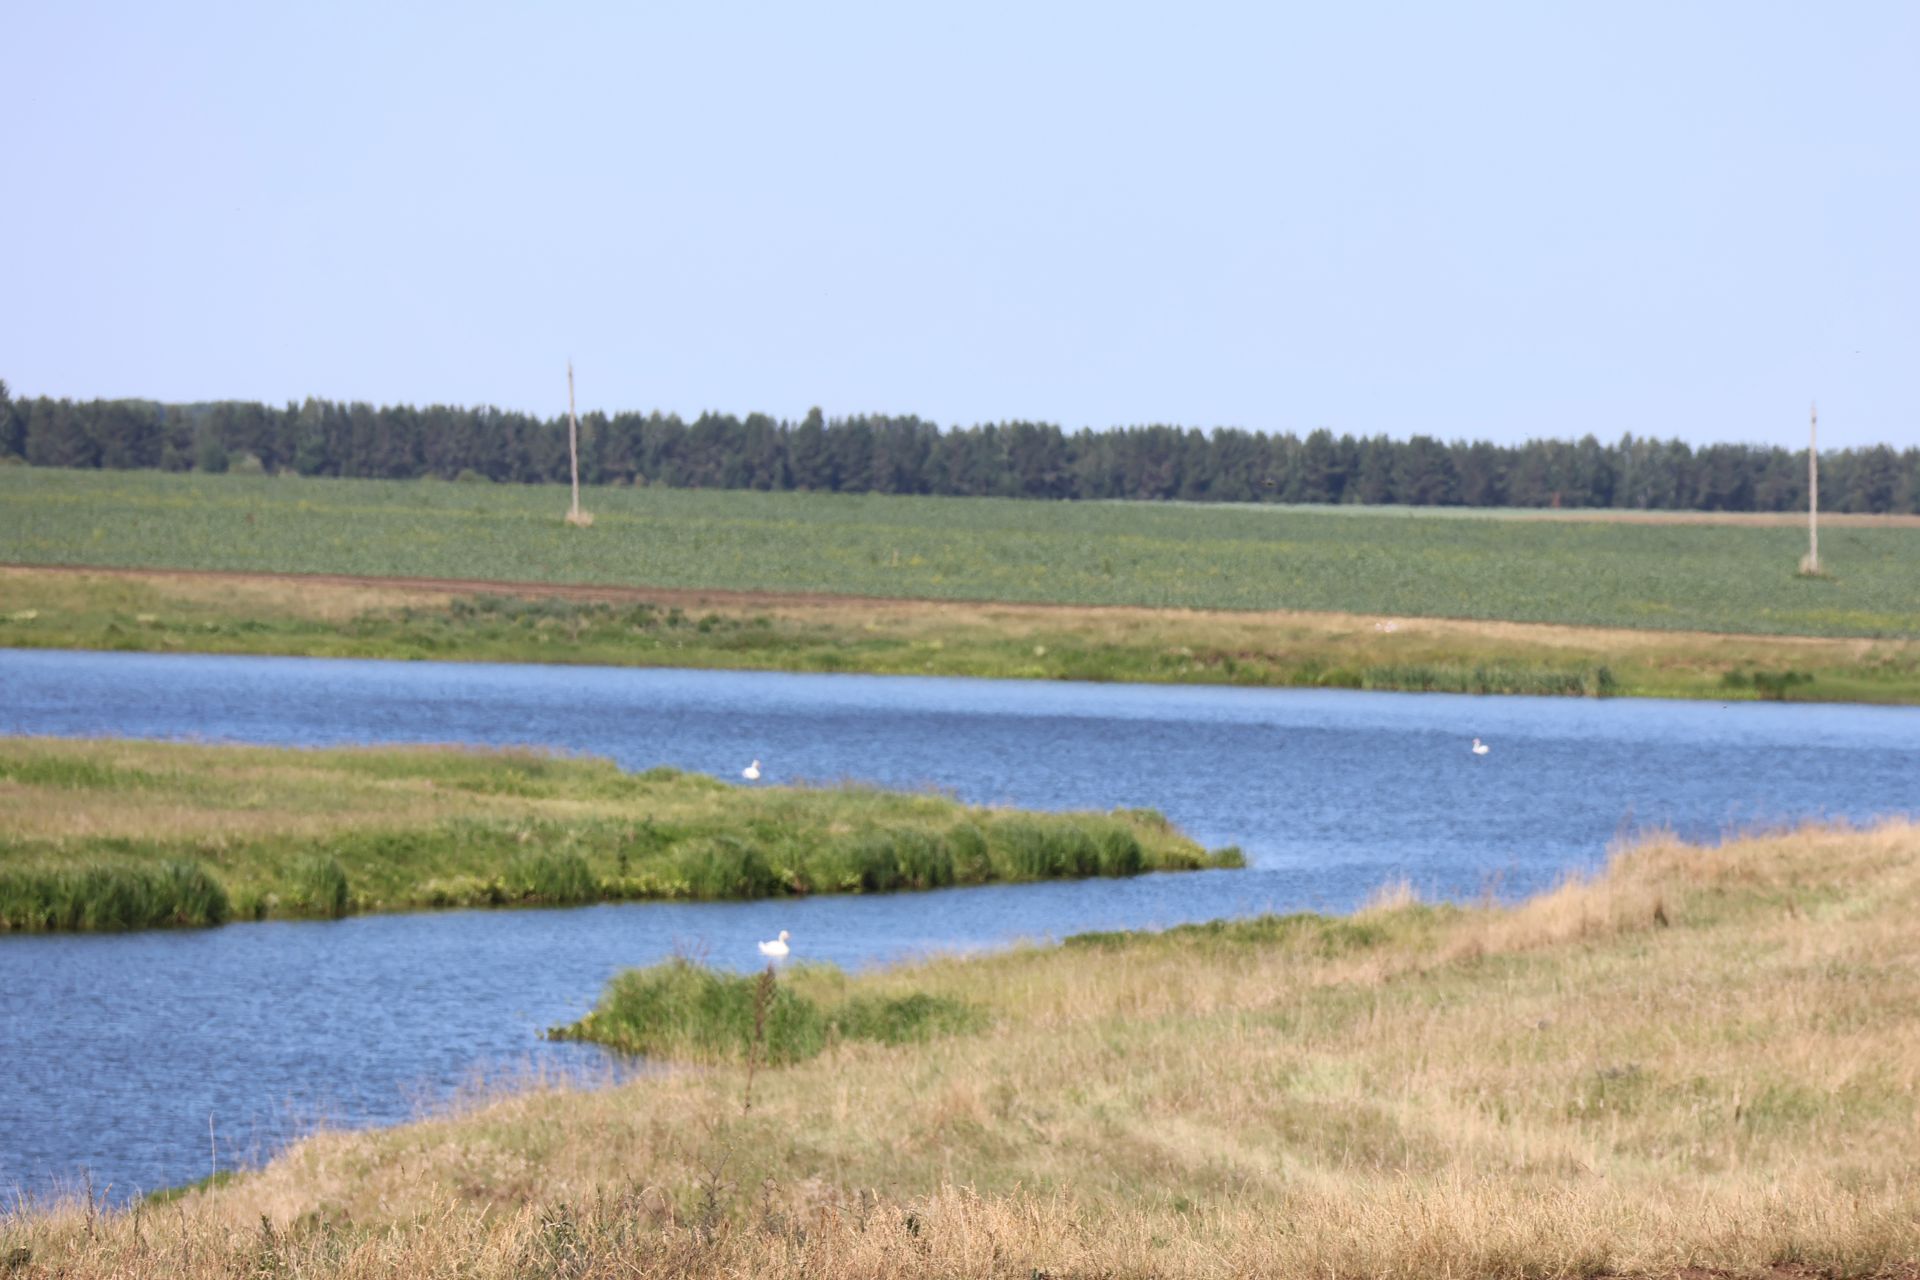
(369, 591)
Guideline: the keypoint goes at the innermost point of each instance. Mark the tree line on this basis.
(871, 453)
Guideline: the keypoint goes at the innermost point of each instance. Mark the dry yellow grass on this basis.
(1701, 1058)
(190, 792)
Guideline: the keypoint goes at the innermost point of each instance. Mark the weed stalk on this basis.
(762, 1002)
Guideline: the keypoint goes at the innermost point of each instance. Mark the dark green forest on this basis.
(885, 454)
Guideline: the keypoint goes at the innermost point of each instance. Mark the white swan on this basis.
(752, 774)
(777, 949)
(1480, 748)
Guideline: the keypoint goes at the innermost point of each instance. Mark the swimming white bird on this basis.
(1480, 748)
(777, 949)
(752, 774)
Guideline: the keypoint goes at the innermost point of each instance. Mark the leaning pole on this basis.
(1813, 491)
(575, 516)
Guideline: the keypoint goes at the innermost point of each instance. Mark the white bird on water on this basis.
(777, 949)
(1480, 748)
(752, 774)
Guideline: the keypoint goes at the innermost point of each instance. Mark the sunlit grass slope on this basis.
(1671, 577)
(1703, 1058)
(102, 835)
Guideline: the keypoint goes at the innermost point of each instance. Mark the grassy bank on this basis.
(99, 835)
(1671, 577)
(263, 614)
(1704, 1061)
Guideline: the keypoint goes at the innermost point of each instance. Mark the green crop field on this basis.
(1662, 576)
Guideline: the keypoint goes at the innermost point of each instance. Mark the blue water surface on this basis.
(115, 1050)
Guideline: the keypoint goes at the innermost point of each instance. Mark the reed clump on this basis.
(980, 849)
(1769, 686)
(319, 887)
(111, 895)
(553, 879)
(1581, 682)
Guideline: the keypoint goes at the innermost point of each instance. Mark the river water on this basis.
(116, 1050)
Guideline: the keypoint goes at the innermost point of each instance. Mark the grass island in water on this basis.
(113, 835)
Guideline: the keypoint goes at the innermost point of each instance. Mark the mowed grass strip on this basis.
(1720, 578)
(1705, 1061)
(99, 835)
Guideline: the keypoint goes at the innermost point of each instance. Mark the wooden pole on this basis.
(573, 444)
(1813, 490)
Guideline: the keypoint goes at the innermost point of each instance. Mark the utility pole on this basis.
(1812, 564)
(575, 516)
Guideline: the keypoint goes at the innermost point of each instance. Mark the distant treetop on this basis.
(887, 454)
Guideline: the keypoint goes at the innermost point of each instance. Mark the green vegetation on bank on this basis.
(176, 613)
(686, 1013)
(109, 895)
(1704, 1061)
(106, 835)
(1735, 579)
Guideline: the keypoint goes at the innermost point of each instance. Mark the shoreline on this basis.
(1565, 1085)
(110, 834)
(357, 616)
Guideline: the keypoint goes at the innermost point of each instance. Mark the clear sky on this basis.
(1462, 219)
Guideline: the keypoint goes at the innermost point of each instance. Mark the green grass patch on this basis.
(685, 1012)
(167, 1195)
(1304, 932)
(69, 774)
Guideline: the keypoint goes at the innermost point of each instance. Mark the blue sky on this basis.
(1468, 220)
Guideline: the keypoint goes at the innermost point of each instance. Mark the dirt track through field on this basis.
(478, 586)
(355, 591)
(1610, 515)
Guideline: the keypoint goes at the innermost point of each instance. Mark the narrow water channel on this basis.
(115, 1050)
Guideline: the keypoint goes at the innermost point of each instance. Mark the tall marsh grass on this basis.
(111, 896)
(881, 860)
(552, 879)
(319, 888)
(1582, 682)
